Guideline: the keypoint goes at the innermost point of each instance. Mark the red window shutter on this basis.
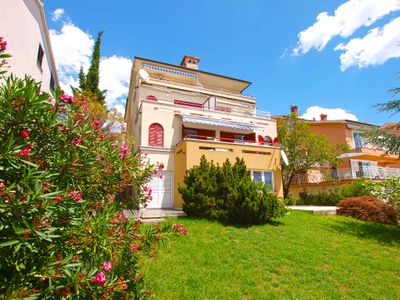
(156, 135)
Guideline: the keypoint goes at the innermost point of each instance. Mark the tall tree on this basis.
(305, 150)
(82, 80)
(90, 81)
(387, 137)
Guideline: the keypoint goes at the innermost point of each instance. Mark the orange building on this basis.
(362, 161)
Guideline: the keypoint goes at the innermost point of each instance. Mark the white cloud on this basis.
(379, 45)
(120, 108)
(73, 48)
(347, 18)
(314, 112)
(57, 14)
(114, 77)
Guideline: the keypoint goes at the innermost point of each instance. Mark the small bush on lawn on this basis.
(61, 233)
(368, 208)
(321, 198)
(228, 194)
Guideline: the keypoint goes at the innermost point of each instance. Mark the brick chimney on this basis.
(190, 62)
(294, 110)
(323, 117)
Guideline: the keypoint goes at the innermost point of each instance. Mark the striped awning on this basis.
(220, 123)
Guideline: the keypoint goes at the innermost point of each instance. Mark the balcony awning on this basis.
(372, 157)
(220, 123)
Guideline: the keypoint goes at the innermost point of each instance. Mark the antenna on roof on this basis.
(144, 75)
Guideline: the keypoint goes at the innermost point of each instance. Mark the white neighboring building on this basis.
(23, 25)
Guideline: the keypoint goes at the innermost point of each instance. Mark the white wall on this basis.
(23, 26)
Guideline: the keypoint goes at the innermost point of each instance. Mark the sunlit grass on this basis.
(304, 257)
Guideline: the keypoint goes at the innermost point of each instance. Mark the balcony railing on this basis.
(373, 173)
(248, 112)
(229, 140)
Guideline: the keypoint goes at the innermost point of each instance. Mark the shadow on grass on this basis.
(383, 234)
(227, 224)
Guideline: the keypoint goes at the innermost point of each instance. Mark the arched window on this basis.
(156, 135)
(151, 98)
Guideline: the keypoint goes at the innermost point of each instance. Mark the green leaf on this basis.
(9, 243)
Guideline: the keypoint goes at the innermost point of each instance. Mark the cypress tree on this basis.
(82, 80)
(92, 77)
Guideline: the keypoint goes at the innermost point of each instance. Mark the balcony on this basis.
(227, 140)
(372, 173)
(204, 108)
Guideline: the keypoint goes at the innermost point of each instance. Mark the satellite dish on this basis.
(284, 157)
(144, 75)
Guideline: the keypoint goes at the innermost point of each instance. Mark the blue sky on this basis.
(331, 54)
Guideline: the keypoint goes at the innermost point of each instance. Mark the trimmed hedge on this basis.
(368, 208)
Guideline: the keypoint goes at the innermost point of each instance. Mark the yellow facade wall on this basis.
(189, 152)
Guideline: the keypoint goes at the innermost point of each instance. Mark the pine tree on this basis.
(387, 137)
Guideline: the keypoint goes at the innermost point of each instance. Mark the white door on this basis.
(162, 189)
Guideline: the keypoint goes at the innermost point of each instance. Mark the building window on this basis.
(151, 98)
(40, 55)
(267, 177)
(190, 133)
(156, 135)
(52, 82)
(267, 139)
(358, 140)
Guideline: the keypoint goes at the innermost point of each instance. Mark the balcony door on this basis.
(364, 168)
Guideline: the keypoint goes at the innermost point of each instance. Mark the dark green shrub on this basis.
(368, 208)
(292, 200)
(320, 199)
(228, 194)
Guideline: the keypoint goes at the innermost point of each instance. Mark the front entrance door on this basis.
(162, 189)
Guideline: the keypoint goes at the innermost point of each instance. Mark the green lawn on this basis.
(304, 256)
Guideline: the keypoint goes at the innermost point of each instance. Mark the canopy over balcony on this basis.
(247, 127)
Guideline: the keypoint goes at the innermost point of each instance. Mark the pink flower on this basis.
(64, 97)
(76, 141)
(145, 153)
(161, 166)
(162, 176)
(98, 158)
(180, 228)
(3, 44)
(2, 185)
(95, 123)
(124, 150)
(59, 198)
(100, 278)
(146, 189)
(102, 136)
(26, 151)
(134, 247)
(107, 266)
(25, 133)
(77, 196)
(6, 201)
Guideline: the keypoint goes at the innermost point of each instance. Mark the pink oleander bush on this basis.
(62, 233)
